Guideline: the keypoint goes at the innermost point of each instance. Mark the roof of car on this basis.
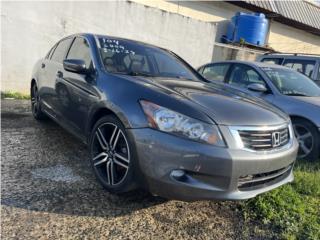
(127, 39)
(291, 55)
(250, 63)
(114, 37)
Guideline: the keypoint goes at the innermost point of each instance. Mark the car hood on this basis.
(222, 104)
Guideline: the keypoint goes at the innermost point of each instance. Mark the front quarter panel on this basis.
(298, 108)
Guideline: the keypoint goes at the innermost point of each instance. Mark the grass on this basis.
(15, 95)
(293, 210)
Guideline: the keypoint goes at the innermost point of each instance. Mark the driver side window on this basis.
(80, 50)
(242, 76)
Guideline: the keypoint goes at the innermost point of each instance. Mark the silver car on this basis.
(287, 89)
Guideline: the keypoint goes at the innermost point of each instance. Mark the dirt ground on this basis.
(49, 192)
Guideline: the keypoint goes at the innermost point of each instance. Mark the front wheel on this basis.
(308, 137)
(111, 155)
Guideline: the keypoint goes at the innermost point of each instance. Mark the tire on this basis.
(111, 155)
(308, 138)
(37, 113)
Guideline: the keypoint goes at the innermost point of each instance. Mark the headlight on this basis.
(175, 123)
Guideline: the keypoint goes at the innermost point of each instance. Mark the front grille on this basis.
(262, 140)
(254, 181)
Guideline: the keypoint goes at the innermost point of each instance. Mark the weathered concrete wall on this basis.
(29, 29)
(224, 52)
(282, 38)
(289, 39)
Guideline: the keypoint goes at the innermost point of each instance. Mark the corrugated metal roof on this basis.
(299, 11)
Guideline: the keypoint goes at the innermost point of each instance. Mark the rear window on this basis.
(61, 50)
(216, 72)
(49, 54)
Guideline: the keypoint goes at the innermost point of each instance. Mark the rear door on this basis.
(43, 73)
(53, 70)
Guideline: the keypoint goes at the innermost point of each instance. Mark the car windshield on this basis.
(127, 57)
(292, 83)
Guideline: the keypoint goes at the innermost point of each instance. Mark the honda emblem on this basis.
(276, 139)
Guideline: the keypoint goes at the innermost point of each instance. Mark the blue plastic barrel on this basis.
(251, 27)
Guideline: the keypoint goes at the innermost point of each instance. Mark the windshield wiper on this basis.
(132, 73)
(296, 94)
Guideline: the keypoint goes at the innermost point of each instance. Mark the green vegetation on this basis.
(291, 211)
(15, 95)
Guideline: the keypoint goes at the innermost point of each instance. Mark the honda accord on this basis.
(151, 121)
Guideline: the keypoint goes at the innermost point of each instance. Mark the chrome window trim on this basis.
(239, 144)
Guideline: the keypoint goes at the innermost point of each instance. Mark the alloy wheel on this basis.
(305, 139)
(110, 154)
(34, 99)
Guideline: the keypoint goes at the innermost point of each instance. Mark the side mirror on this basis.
(257, 87)
(75, 65)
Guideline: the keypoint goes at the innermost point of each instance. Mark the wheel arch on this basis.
(33, 81)
(303, 118)
(314, 125)
(101, 111)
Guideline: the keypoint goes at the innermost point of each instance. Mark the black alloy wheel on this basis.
(35, 103)
(111, 156)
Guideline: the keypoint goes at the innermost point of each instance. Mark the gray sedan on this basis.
(151, 121)
(287, 89)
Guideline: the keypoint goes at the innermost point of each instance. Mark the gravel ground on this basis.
(49, 192)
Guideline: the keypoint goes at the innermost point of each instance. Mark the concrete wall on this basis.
(224, 52)
(29, 29)
(289, 39)
(282, 38)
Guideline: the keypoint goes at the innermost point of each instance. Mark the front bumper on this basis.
(209, 172)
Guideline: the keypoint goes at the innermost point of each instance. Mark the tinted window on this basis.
(242, 75)
(304, 66)
(318, 78)
(273, 60)
(127, 57)
(80, 50)
(292, 83)
(61, 50)
(216, 72)
(50, 52)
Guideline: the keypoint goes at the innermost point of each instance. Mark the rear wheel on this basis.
(308, 137)
(35, 103)
(111, 155)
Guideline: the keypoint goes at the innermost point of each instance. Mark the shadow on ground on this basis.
(44, 168)
(48, 190)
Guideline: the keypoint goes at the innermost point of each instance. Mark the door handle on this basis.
(43, 65)
(59, 74)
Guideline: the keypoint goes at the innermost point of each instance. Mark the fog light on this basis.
(245, 178)
(179, 175)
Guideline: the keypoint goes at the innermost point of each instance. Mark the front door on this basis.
(76, 92)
